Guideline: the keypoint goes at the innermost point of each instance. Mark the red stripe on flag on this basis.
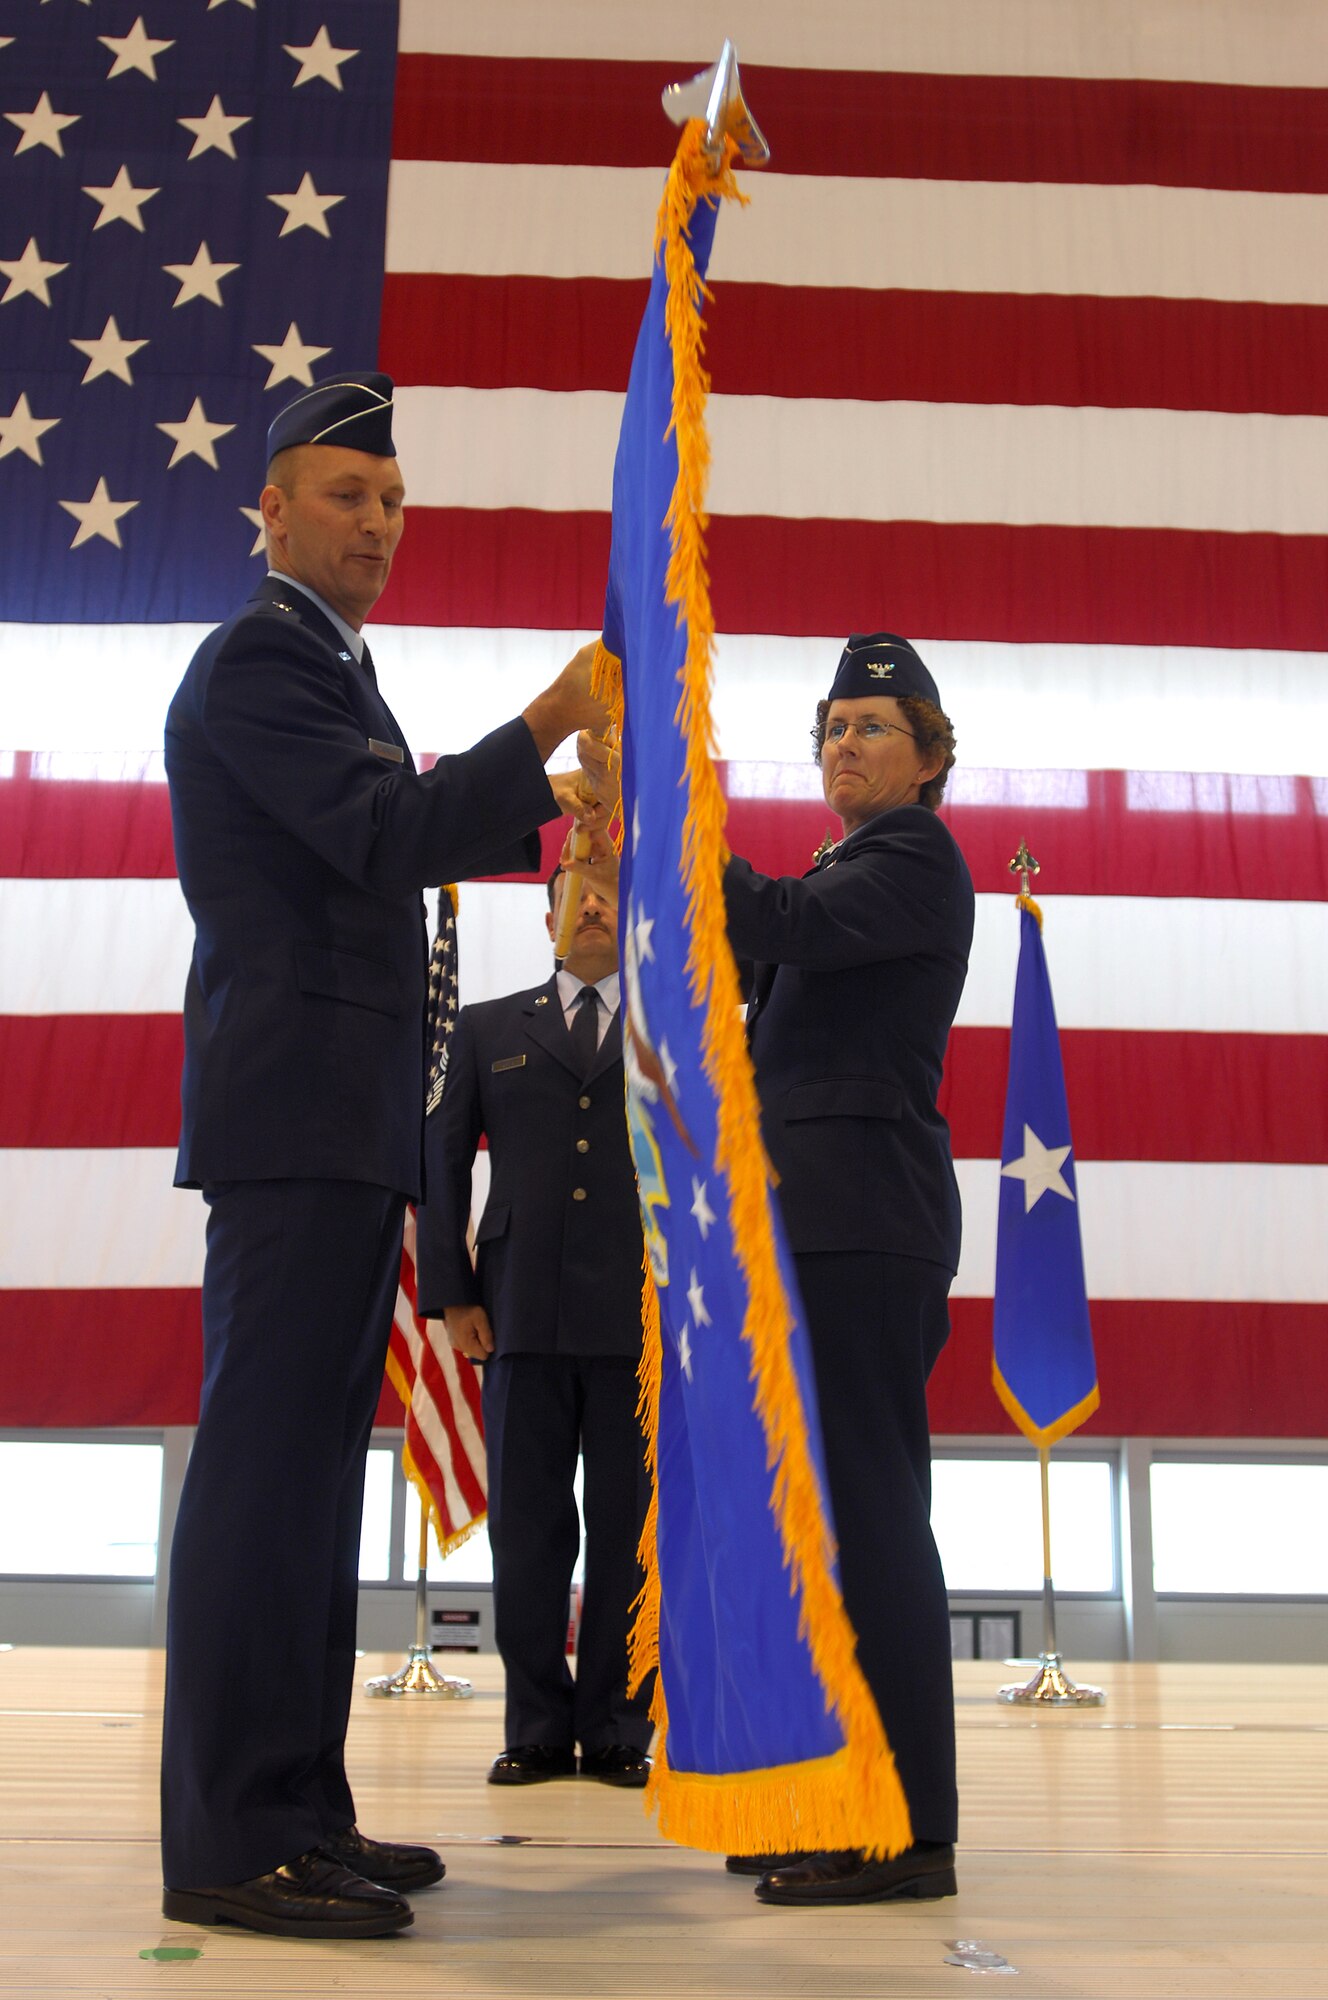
(55, 1371)
(1104, 847)
(90, 1079)
(113, 1081)
(1112, 844)
(874, 122)
(1110, 586)
(1207, 1368)
(1166, 1369)
(1154, 1096)
(568, 334)
(75, 827)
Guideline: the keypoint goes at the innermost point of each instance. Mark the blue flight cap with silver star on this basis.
(881, 663)
(352, 410)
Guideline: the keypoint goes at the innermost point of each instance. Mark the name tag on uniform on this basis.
(508, 1062)
(392, 751)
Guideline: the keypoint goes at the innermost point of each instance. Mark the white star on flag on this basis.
(696, 1300)
(1039, 1169)
(644, 949)
(201, 279)
(701, 1209)
(29, 273)
(136, 50)
(195, 437)
(250, 4)
(20, 430)
(319, 59)
(42, 126)
(667, 1064)
(121, 201)
(306, 208)
(212, 132)
(253, 514)
(636, 824)
(98, 516)
(292, 361)
(685, 1350)
(108, 354)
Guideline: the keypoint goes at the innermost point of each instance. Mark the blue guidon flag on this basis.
(768, 1736)
(1042, 1361)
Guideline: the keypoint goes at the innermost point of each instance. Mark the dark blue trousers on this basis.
(540, 1410)
(298, 1292)
(877, 1324)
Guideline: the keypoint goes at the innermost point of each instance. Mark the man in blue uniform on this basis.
(554, 1313)
(304, 837)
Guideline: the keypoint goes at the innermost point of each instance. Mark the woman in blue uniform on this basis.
(858, 971)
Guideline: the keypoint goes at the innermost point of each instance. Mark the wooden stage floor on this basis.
(1173, 1844)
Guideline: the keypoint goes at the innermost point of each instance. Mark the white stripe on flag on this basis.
(1162, 1229)
(1152, 1229)
(1044, 707)
(1130, 241)
(1119, 962)
(1211, 41)
(1001, 462)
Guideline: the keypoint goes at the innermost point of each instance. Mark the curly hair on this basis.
(934, 732)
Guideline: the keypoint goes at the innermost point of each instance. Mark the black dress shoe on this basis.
(763, 1864)
(311, 1897)
(388, 1862)
(616, 1764)
(923, 1871)
(531, 1764)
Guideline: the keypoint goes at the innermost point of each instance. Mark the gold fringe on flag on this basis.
(853, 1799)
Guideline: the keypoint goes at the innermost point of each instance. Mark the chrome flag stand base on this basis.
(419, 1676)
(1052, 1687)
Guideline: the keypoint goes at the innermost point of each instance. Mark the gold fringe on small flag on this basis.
(854, 1798)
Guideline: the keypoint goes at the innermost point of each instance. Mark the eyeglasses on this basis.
(869, 731)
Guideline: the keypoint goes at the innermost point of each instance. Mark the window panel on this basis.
(1240, 1529)
(986, 1515)
(79, 1509)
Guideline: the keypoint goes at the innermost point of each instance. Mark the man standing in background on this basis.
(553, 1311)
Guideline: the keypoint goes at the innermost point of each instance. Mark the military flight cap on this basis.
(881, 663)
(353, 410)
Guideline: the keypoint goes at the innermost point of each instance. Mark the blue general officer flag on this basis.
(769, 1739)
(1042, 1364)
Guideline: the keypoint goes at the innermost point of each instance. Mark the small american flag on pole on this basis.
(443, 1452)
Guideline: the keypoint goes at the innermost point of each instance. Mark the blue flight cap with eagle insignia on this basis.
(352, 410)
(881, 663)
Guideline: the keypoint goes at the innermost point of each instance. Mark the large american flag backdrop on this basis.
(1021, 349)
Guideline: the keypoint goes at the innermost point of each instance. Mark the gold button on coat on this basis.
(583, 1145)
(578, 1194)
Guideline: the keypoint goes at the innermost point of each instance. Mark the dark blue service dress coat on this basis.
(860, 966)
(304, 838)
(559, 1274)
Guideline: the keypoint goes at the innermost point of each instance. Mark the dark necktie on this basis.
(366, 661)
(584, 1030)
